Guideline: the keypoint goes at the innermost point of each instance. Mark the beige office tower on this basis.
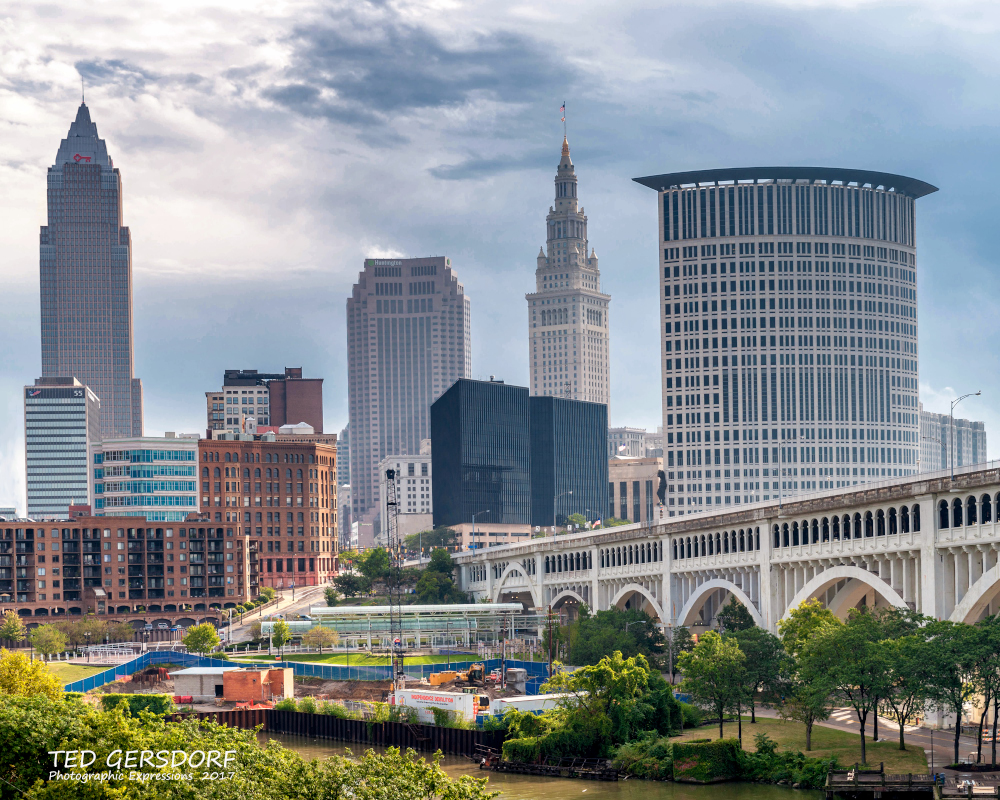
(568, 334)
(408, 340)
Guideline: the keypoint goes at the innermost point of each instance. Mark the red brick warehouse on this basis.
(281, 493)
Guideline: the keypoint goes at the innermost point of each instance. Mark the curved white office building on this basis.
(789, 331)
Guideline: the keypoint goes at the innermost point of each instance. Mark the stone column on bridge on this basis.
(595, 560)
(930, 567)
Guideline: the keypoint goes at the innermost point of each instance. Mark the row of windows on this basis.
(718, 544)
(881, 523)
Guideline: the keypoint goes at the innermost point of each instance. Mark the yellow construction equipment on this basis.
(475, 674)
(446, 676)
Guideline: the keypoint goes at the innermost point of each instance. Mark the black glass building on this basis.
(569, 462)
(524, 460)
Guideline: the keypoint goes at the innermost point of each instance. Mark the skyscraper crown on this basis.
(82, 145)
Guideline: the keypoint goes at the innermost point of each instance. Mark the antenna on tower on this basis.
(83, 96)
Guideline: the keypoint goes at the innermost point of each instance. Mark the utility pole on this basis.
(395, 581)
(550, 641)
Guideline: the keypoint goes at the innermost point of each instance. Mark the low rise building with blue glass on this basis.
(62, 422)
(148, 476)
(502, 458)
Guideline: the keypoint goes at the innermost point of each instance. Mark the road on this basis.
(305, 597)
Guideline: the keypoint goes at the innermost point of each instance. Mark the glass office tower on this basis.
(525, 461)
(62, 420)
(789, 331)
(569, 463)
(86, 279)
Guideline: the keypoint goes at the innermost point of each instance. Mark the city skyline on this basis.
(210, 234)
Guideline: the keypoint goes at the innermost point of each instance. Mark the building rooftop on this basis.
(822, 175)
(202, 671)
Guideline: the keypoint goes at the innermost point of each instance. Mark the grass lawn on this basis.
(67, 673)
(826, 742)
(363, 660)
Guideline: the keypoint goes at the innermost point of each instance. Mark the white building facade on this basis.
(789, 318)
(568, 328)
(413, 495)
(938, 448)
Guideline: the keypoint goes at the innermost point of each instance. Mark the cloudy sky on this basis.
(267, 148)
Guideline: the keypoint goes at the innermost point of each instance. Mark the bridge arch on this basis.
(512, 567)
(568, 594)
(979, 597)
(695, 602)
(858, 583)
(628, 589)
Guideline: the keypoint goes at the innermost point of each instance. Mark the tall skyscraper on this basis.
(408, 339)
(86, 279)
(789, 346)
(568, 333)
(62, 421)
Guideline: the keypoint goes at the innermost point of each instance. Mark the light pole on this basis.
(87, 634)
(951, 428)
(487, 511)
(555, 502)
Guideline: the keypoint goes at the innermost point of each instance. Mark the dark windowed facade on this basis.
(85, 269)
(496, 450)
(481, 454)
(569, 465)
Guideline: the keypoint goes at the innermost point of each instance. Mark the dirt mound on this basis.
(344, 690)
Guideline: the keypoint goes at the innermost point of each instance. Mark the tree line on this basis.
(889, 661)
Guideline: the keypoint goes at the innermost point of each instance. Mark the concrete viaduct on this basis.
(928, 542)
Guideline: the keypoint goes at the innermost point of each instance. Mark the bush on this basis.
(156, 703)
(288, 704)
(769, 766)
(710, 762)
(692, 715)
(336, 710)
(651, 758)
(307, 705)
(72, 695)
(448, 719)
(524, 750)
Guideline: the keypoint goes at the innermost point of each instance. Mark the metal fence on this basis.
(537, 672)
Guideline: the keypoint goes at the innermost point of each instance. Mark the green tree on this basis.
(201, 638)
(268, 593)
(907, 677)
(49, 640)
(951, 658)
(438, 537)
(855, 664)
(613, 702)
(614, 522)
(21, 677)
(120, 632)
(441, 562)
(255, 632)
(808, 691)
(281, 635)
(320, 637)
(577, 521)
(374, 565)
(767, 664)
(630, 632)
(13, 627)
(331, 595)
(734, 616)
(351, 585)
(714, 673)
(681, 641)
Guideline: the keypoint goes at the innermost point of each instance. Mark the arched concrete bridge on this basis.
(927, 542)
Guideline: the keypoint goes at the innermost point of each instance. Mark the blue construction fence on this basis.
(537, 672)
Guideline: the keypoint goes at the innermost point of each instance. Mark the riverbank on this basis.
(530, 787)
(826, 742)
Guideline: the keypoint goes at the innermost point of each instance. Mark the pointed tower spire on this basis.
(565, 150)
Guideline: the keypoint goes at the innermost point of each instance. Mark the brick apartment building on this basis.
(280, 493)
(173, 572)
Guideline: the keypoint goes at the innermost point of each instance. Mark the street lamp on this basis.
(487, 511)
(555, 502)
(87, 635)
(951, 425)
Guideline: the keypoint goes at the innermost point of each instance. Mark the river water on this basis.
(529, 787)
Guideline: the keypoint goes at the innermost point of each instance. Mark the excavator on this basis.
(475, 675)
